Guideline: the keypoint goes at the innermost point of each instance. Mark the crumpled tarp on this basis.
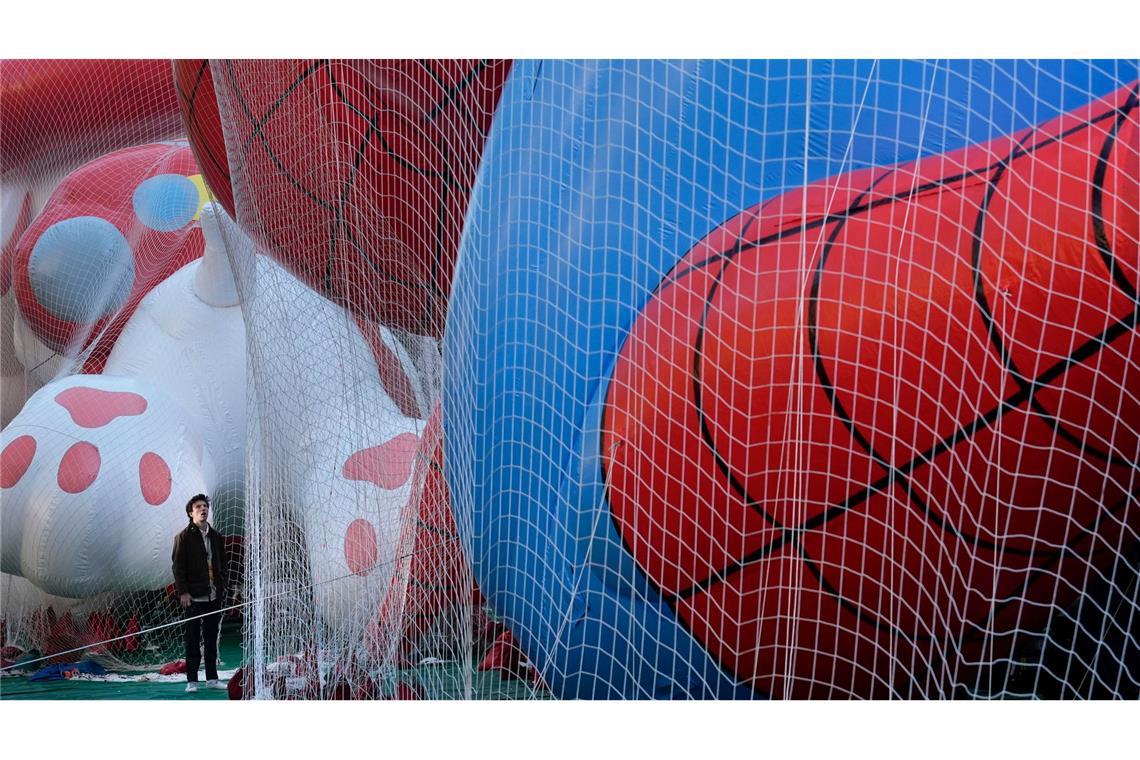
(64, 670)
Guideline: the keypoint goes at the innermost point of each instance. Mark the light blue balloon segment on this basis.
(81, 269)
(166, 202)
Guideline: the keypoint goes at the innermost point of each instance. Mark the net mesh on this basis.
(99, 207)
(670, 379)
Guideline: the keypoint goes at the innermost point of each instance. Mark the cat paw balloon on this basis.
(95, 469)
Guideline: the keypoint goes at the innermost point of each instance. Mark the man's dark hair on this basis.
(196, 498)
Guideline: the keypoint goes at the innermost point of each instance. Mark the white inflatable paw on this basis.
(95, 472)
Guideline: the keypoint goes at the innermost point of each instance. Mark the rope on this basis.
(24, 663)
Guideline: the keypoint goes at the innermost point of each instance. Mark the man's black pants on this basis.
(197, 629)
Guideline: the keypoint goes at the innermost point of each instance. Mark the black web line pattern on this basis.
(451, 189)
(1114, 269)
(1026, 389)
(191, 101)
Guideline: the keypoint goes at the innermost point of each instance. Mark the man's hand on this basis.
(184, 600)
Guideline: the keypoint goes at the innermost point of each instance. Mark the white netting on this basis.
(620, 378)
(802, 379)
(102, 437)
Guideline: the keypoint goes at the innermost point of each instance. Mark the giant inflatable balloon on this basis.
(62, 111)
(112, 230)
(111, 278)
(782, 388)
(96, 467)
(431, 581)
(368, 206)
(59, 114)
(199, 106)
(94, 470)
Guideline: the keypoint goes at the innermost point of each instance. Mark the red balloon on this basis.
(138, 203)
(63, 112)
(431, 580)
(354, 174)
(956, 338)
(198, 105)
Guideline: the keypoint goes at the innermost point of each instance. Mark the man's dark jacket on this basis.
(189, 564)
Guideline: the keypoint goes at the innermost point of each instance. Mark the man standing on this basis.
(199, 566)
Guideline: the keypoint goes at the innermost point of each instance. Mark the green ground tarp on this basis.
(440, 681)
(127, 685)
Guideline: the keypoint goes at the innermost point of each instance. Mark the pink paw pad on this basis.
(360, 549)
(79, 467)
(154, 478)
(15, 460)
(94, 408)
(388, 465)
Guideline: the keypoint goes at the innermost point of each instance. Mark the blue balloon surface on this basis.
(166, 202)
(597, 177)
(81, 269)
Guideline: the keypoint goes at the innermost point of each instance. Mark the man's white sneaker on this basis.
(215, 684)
(192, 687)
